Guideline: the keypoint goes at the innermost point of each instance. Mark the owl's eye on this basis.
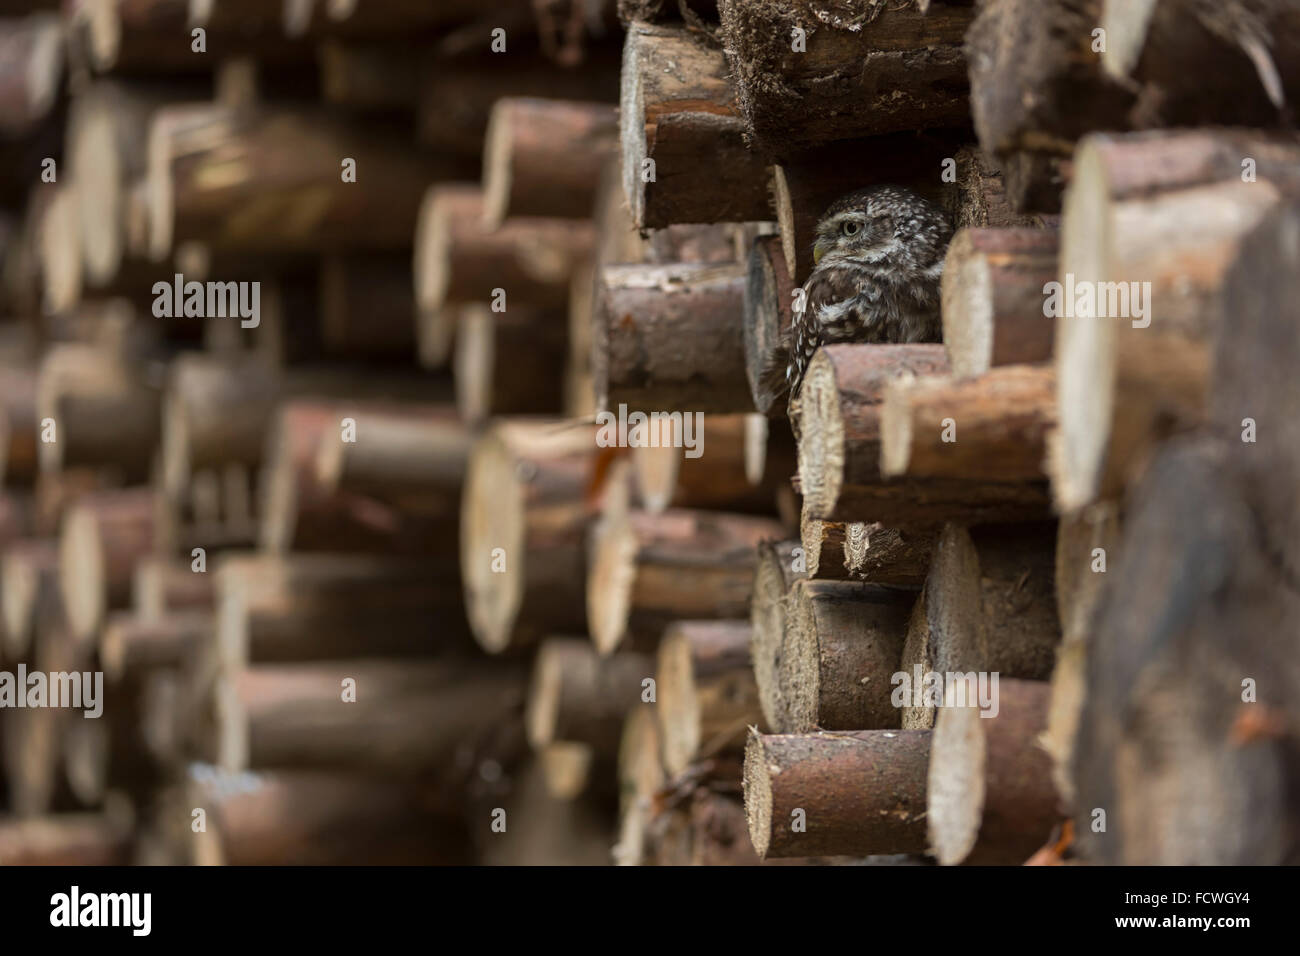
(851, 228)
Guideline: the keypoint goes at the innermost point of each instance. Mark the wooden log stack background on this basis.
(383, 416)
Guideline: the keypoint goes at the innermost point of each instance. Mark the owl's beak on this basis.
(819, 250)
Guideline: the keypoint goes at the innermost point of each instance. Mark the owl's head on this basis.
(879, 224)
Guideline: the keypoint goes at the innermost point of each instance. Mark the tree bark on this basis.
(1036, 86)
(866, 71)
(860, 793)
(988, 606)
(290, 193)
(408, 719)
(648, 570)
(993, 281)
(707, 693)
(1125, 381)
(273, 609)
(458, 260)
(682, 135)
(509, 363)
(544, 157)
(670, 337)
(990, 795)
(843, 642)
(103, 536)
(1000, 422)
(525, 515)
(578, 696)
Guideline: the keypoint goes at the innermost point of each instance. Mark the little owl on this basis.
(878, 254)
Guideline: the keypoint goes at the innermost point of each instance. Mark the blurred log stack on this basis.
(485, 538)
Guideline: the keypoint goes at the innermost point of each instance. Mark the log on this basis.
(867, 552)
(647, 570)
(988, 606)
(31, 50)
(990, 797)
(129, 645)
(843, 643)
(34, 735)
(578, 696)
(681, 134)
(666, 477)
(1001, 421)
(544, 157)
(105, 411)
(823, 544)
(410, 455)
(367, 306)
(214, 411)
(408, 718)
(29, 580)
(310, 818)
(865, 71)
(776, 571)
(217, 410)
(978, 199)
(1199, 585)
(1157, 49)
(568, 768)
(18, 426)
(474, 84)
(274, 609)
(67, 839)
(289, 194)
(640, 776)
(108, 131)
(1125, 381)
(1080, 583)
(547, 831)
(838, 414)
(104, 535)
(459, 260)
(1037, 86)
(992, 290)
(58, 251)
(371, 77)
(509, 363)
(525, 511)
(839, 448)
(164, 585)
(152, 38)
(860, 793)
(298, 512)
(768, 305)
(707, 696)
(669, 337)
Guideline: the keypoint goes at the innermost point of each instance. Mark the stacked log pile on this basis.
(386, 414)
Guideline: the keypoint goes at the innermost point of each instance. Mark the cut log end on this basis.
(609, 588)
(543, 708)
(497, 167)
(821, 439)
(492, 517)
(758, 795)
(679, 705)
(1085, 345)
(632, 128)
(968, 290)
(956, 784)
(81, 572)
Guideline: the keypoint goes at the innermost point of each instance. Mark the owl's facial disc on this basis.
(840, 234)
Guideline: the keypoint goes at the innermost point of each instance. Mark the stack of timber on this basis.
(386, 419)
